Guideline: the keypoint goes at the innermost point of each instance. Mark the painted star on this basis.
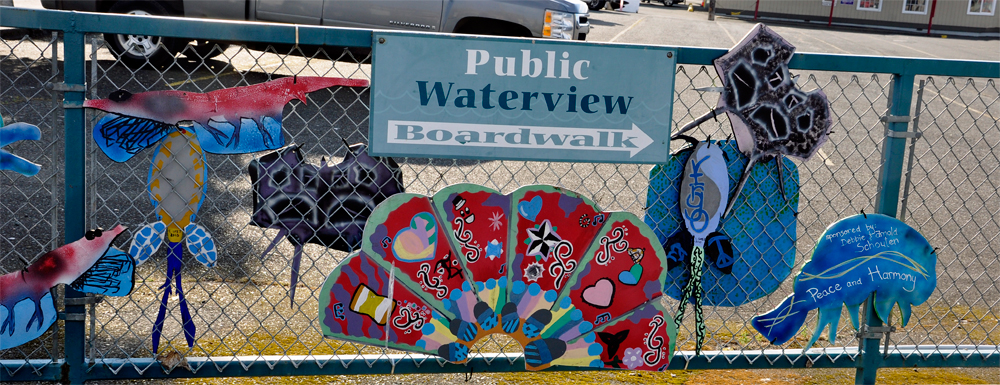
(494, 249)
(541, 240)
(495, 221)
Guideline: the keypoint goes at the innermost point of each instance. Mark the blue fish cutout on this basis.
(855, 257)
(15, 133)
(760, 229)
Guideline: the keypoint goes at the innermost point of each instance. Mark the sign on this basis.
(500, 98)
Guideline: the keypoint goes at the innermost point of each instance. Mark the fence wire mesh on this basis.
(953, 200)
(31, 208)
(241, 307)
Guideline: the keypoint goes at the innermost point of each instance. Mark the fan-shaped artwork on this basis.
(572, 284)
(90, 265)
(326, 205)
(855, 257)
(15, 133)
(761, 230)
(184, 125)
(769, 115)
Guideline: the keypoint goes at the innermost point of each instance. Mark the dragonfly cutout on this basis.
(183, 126)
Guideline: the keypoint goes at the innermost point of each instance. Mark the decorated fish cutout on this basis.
(854, 257)
(234, 120)
(326, 205)
(769, 115)
(752, 251)
(184, 125)
(15, 133)
(424, 282)
(90, 265)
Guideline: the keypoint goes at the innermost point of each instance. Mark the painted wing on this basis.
(549, 234)
(222, 137)
(200, 243)
(355, 305)
(644, 339)
(477, 218)
(113, 275)
(121, 137)
(146, 241)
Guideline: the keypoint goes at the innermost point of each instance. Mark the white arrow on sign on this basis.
(632, 140)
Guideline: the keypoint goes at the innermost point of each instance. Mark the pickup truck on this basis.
(557, 19)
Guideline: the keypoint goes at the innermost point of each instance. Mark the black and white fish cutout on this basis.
(769, 115)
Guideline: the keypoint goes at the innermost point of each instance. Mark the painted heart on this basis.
(530, 209)
(631, 276)
(416, 243)
(600, 294)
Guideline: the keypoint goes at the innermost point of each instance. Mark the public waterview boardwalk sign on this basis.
(497, 98)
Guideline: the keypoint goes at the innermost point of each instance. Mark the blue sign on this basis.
(500, 98)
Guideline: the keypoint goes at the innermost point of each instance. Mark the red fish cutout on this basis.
(89, 264)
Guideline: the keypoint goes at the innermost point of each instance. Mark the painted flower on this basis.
(494, 249)
(633, 358)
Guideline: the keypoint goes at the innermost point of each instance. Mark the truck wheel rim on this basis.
(139, 45)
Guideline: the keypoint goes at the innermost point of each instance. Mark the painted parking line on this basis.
(627, 29)
(952, 100)
(212, 76)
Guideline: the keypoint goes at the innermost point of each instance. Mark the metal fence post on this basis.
(75, 204)
(890, 179)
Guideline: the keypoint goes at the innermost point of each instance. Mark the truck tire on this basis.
(137, 50)
(595, 4)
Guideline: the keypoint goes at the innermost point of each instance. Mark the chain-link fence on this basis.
(247, 324)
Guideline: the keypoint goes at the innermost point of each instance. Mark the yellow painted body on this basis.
(177, 182)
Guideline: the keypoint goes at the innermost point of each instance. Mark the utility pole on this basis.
(711, 10)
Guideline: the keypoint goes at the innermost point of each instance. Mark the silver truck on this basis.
(557, 19)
